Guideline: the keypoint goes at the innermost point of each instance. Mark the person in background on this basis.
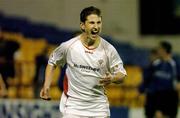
(92, 63)
(145, 86)
(163, 85)
(3, 89)
(7, 63)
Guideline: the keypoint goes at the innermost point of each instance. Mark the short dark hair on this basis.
(88, 11)
(166, 46)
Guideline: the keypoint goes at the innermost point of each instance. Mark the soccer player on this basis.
(92, 63)
(161, 85)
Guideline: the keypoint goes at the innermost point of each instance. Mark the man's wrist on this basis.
(116, 79)
(113, 79)
(46, 87)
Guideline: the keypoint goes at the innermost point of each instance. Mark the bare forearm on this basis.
(118, 78)
(109, 78)
(49, 75)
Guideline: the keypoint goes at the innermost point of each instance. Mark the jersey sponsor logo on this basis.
(89, 68)
(90, 52)
(163, 75)
(116, 67)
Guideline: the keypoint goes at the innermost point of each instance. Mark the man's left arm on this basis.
(109, 78)
(116, 73)
(118, 78)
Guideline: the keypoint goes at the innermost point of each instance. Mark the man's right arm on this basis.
(44, 93)
(57, 58)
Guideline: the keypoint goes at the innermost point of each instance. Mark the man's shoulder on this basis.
(106, 44)
(66, 44)
(71, 41)
(172, 62)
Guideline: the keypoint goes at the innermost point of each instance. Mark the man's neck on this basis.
(90, 43)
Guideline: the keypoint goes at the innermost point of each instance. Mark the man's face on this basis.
(92, 26)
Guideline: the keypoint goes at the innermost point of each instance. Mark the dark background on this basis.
(157, 17)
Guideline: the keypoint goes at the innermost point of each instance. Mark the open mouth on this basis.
(94, 32)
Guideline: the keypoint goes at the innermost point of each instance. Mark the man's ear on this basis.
(82, 26)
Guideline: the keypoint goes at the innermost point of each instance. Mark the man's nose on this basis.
(95, 26)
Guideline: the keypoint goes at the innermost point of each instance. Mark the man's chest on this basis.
(90, 60)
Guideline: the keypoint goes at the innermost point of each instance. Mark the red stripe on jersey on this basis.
(65, 84)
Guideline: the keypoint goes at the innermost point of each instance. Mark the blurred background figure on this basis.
(146, 86)
(3, 89)
(7, 63)
(161, 84)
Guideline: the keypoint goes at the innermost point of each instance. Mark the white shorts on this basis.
(77, 116)
(64, 114)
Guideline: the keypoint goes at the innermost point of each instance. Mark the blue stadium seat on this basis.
(119, 112)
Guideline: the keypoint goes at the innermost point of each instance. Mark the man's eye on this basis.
(91, 22)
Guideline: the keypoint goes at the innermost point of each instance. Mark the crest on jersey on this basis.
(116, 67)
(100, 62)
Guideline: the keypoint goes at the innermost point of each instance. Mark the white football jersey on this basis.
(85, 67)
